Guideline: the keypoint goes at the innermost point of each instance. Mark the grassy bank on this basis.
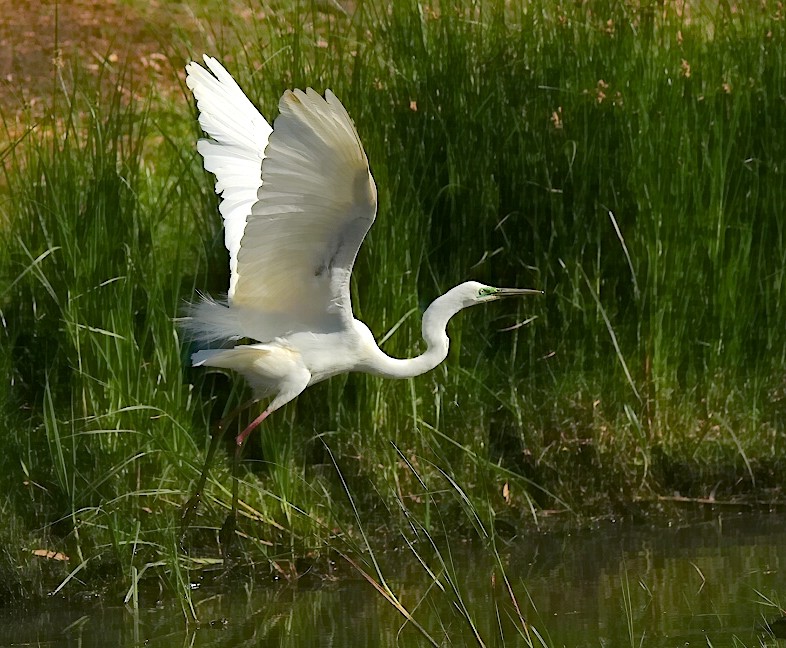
(627, 161)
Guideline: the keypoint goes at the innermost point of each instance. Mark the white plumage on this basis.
(297, 201)
(234, 154)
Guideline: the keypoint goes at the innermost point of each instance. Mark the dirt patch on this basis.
(40, 42)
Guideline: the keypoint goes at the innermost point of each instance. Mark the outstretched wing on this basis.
(316, 203)
(234, 154)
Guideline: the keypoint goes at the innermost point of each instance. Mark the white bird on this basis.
(297, 200)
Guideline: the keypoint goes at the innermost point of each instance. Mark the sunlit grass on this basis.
(626, 161)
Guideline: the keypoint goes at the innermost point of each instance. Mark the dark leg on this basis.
(189, 509)
(227, 533)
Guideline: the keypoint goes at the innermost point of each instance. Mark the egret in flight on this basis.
(296, 200)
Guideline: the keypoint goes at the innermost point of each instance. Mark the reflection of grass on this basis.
(446, 577)
(627, 606)
(773, 616)
(621, 160)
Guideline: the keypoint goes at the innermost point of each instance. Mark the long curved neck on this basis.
(435, 321)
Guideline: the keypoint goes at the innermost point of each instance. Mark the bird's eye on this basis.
(486, 291)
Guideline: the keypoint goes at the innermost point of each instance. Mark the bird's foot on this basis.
(241, 438)
(187, 514)
(226, 536)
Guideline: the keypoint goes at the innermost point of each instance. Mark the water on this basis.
(681, 584)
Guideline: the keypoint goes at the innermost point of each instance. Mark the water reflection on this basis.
(613, 585)
(685, 584)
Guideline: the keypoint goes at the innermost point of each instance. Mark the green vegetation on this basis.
(628, 161)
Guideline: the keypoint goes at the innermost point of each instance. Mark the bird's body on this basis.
(297, 202)
(286, 365)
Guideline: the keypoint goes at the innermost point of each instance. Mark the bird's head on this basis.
(472, 292)
(436, 317)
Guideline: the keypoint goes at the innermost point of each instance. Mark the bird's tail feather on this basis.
(208, 320)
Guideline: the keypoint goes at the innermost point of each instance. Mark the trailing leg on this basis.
(217, 433)
(227, 533)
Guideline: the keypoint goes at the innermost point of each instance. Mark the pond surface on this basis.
(708, 582)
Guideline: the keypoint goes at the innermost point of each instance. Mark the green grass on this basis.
(629, 162)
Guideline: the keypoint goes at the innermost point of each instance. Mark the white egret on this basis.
(297, 200)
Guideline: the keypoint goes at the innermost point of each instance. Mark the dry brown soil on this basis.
(41, 40)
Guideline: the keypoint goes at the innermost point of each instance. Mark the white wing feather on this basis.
(294, 230)
(234, 154)
(316, 203)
